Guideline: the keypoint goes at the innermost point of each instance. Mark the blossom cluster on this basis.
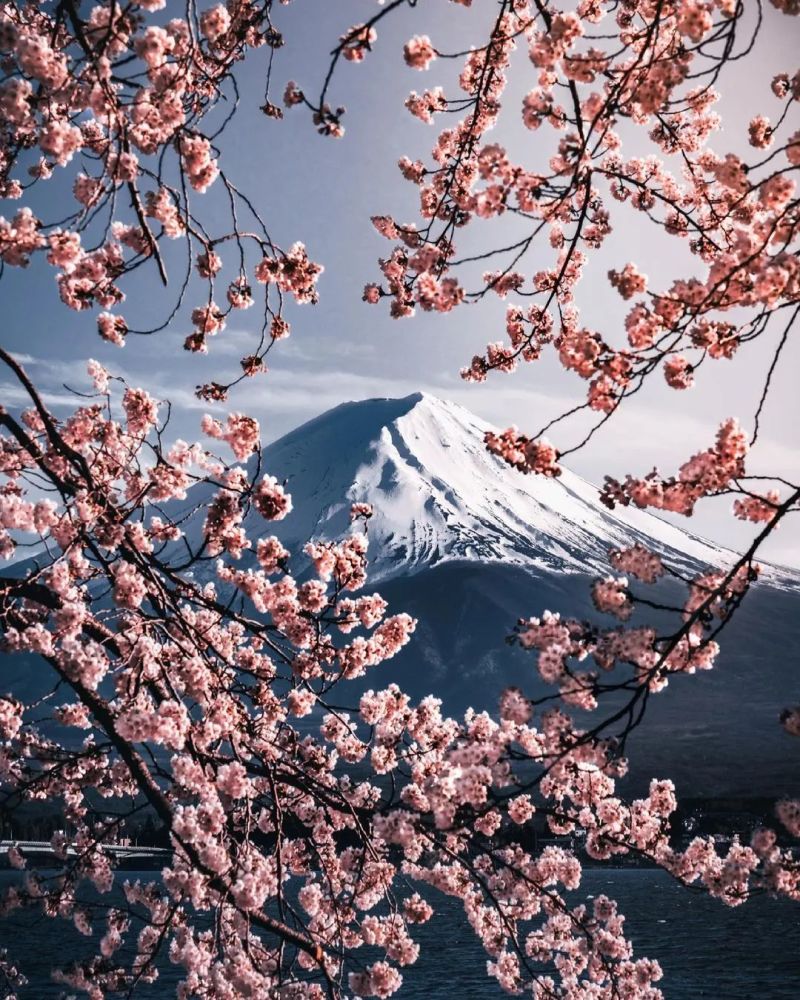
(737, 215)
(123, 100)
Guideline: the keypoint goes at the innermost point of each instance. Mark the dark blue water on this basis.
(706, 949)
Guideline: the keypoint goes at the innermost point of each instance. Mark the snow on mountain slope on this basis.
(439, 495)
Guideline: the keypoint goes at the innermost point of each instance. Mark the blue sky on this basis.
(323, 191)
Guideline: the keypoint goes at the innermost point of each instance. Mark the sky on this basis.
(323, 191)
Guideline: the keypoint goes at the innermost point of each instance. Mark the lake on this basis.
(706, 949)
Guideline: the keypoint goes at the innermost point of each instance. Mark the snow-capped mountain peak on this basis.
(439, 495)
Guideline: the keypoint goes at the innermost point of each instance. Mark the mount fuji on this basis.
(440, 496)
(468, 546)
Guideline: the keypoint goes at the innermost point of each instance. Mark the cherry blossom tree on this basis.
(180, 668)
(185, 642)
